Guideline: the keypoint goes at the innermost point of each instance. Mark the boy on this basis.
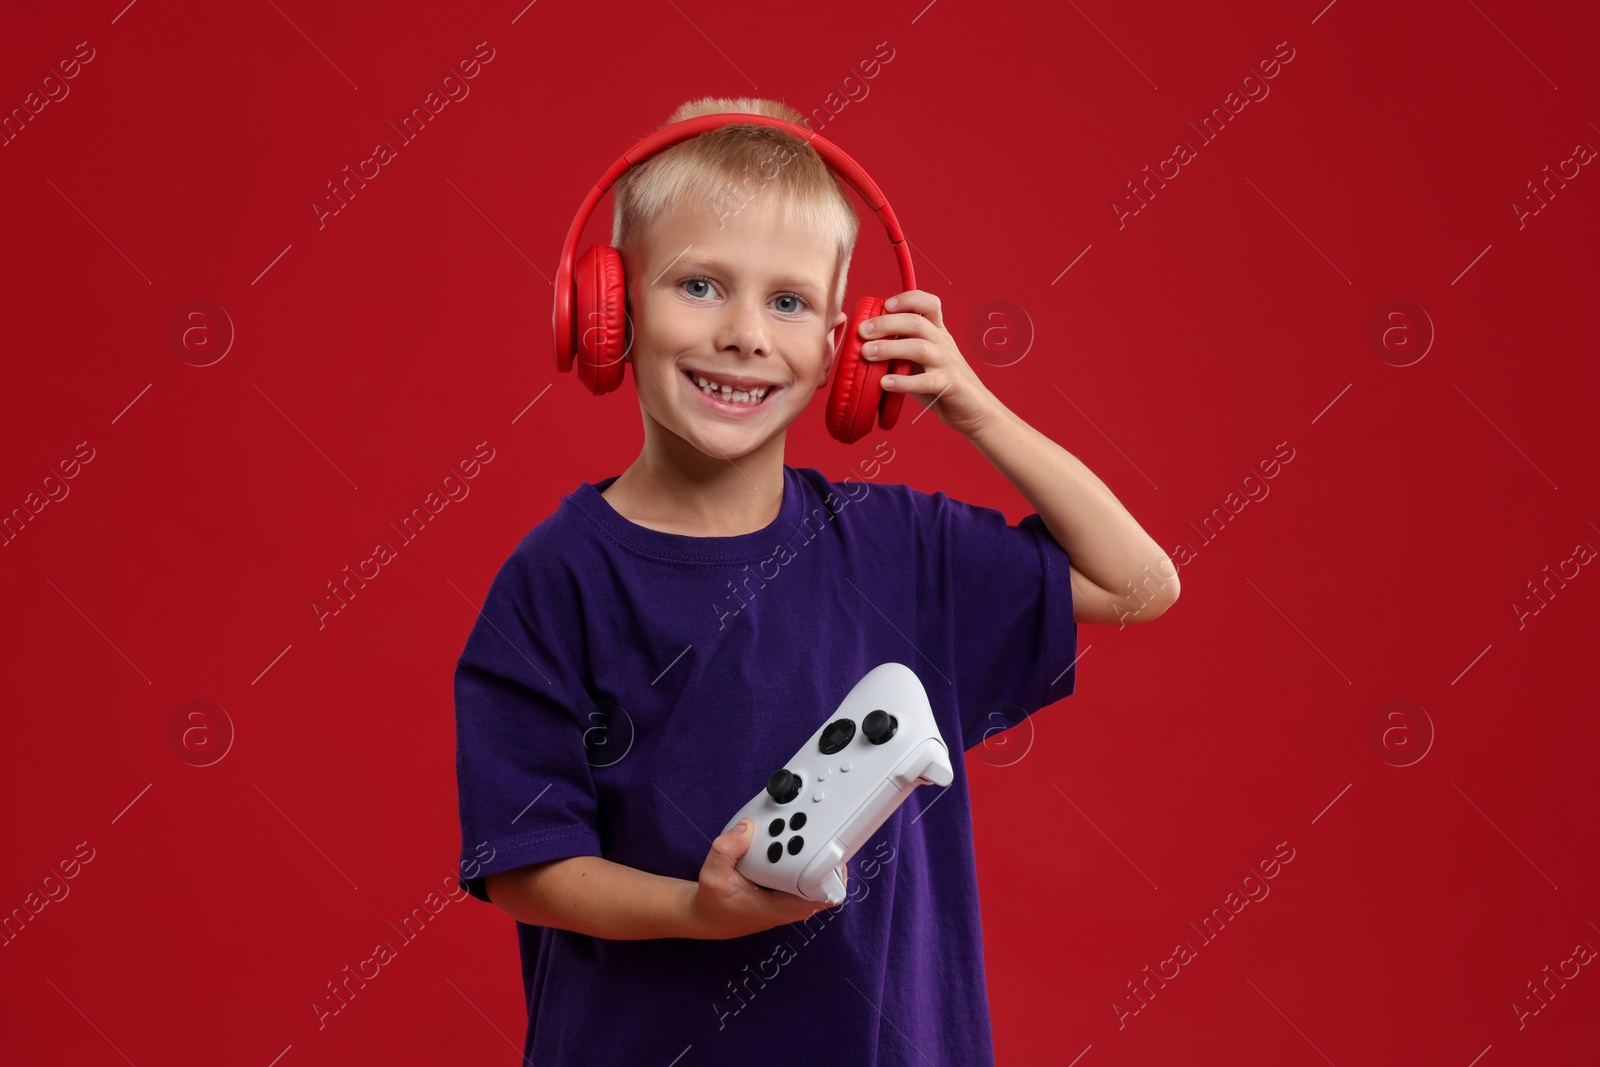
(653, 650)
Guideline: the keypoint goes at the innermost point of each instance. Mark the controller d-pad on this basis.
(774, 852)
(836, 735)
(796, 843)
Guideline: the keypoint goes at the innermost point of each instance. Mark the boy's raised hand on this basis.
(727, 904)
(914, 321)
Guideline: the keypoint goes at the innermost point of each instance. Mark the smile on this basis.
(737, 403)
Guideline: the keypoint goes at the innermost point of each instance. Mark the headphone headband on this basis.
(840, 163)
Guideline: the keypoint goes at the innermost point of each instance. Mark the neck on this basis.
(675, 487)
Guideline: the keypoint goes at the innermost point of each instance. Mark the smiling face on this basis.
(745, 304)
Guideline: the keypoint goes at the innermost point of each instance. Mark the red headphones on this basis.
(593, 290)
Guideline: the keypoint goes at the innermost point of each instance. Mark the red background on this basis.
(1230, 314)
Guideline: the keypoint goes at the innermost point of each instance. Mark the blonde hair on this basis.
(726, 168)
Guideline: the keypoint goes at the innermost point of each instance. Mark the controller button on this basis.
(816, 798)
(845, 766)
(796, 821)
(796, 843)
(774, 852)
(879, 726)
(776, 828)
(823, 773)
(836, 735)
(783, 786)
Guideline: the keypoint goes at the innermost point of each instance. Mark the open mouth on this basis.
(730, 397)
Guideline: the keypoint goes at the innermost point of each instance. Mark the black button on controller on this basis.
(783, 786)
(796, 843)
(879, 726)
(797, 820)
(774, 852)
(836, 735)
(776, 828)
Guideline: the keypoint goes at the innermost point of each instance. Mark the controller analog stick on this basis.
(783, 786)
(879, 726)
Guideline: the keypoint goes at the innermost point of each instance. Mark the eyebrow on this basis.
(715, 266)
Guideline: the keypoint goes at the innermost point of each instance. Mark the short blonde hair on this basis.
(726, 168)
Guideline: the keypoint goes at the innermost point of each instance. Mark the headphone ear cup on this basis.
(602, 334)
(853, 400)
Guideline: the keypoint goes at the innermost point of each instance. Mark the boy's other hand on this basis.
(727, 904)
(914, 321)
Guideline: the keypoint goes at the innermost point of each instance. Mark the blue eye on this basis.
(800, 302)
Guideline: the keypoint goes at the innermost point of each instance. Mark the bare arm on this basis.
(590, 895)
(1118, 572)
(594, 896)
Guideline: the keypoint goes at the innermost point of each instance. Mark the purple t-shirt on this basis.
(625, 691)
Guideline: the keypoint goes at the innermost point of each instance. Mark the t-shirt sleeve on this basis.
(524, 782)
(1010, 599)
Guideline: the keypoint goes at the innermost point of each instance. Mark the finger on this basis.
(920, 301)
(901, 324)
(922, 382)
(733, 844)
(917, 351)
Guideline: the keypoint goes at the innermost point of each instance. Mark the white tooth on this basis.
(728, 393)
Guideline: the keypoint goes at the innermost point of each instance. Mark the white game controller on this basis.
(860, 765)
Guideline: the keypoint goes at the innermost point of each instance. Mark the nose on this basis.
(742, 328)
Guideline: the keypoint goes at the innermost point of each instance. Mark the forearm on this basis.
(1105, 543)
(594, 896)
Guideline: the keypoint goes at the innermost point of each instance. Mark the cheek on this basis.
(664, 328)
